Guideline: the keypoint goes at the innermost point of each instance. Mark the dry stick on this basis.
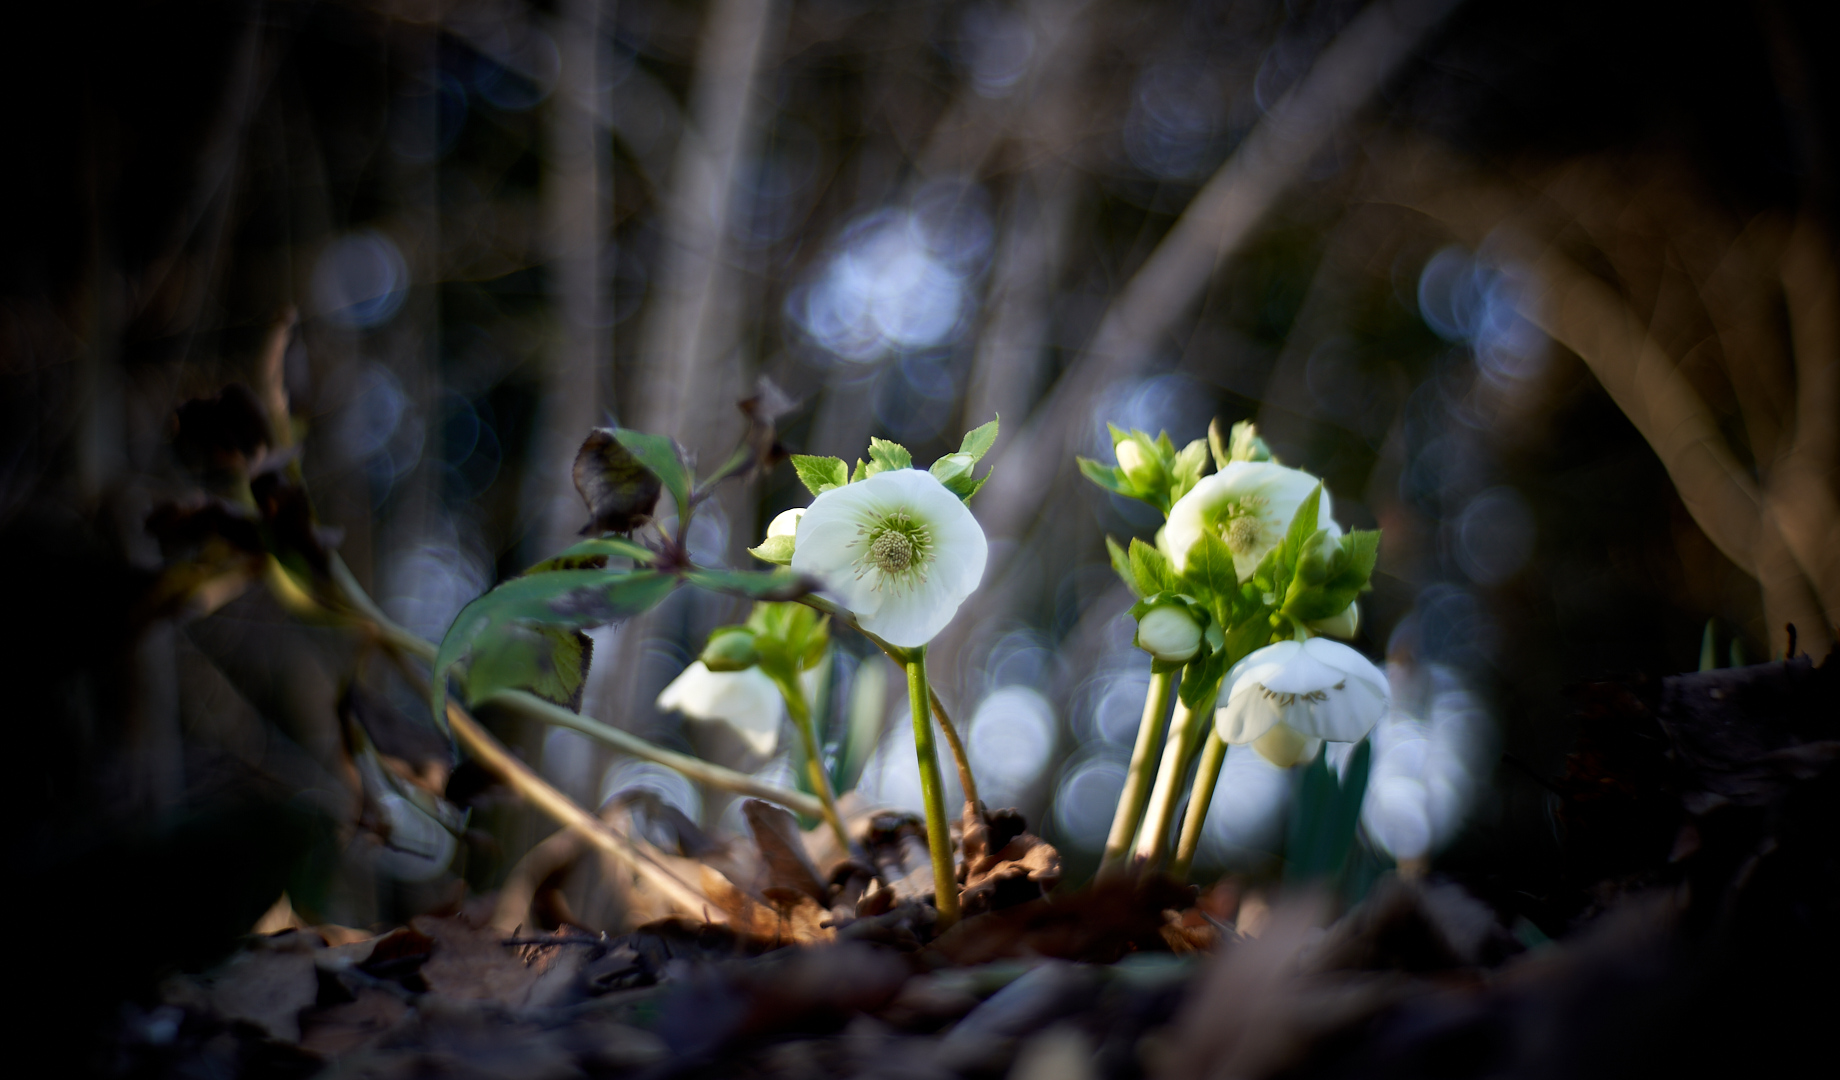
(966, 781)
(1184, 729)
(535, 708)
(1271, 158)
(1207, 774)
(1137, 780)
(503, 764)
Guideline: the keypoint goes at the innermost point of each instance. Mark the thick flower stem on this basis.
(1200, 797)
(1184, 733)
(800, 710)
(1137, 781)
(932, 790)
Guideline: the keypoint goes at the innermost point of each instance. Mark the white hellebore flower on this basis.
(1286, 698)
(1248, 504)
(746, 701)
(900, 550)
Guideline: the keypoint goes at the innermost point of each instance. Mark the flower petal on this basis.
(1247, 714)
(746, 701)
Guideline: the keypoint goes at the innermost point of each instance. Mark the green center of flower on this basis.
(1243, 535)
(1238, 523)
(898, 548)
(893, 552)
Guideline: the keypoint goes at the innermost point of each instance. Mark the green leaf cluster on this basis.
(1149, 469)
(1322, 826)
(955, 470)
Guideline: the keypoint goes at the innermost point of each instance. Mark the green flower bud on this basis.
(731, 649)
(1169, 633)
(1343, 624)
(1141, 467)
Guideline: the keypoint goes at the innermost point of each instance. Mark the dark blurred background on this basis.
(1544, 290)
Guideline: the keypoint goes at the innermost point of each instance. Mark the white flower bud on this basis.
(1139, 467)
(786, 523)
(1341, 625)
(1169, 633)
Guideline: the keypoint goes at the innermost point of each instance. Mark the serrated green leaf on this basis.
(662, 457)
(550, 662)
(1121, 565)
(863, 472)
(780, 584)
(1210, 572)
(563, 599)
(1246, 637)
(885, 456)
(1351, 573)
(1151, 570)
(1165, 446)
(1201, 681)
(594, 555)
(820, 474)
(1108, 477)
(979, 440)
(774, 549)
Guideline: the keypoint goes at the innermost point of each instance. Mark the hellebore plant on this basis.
(1248, 562)
(900, 551)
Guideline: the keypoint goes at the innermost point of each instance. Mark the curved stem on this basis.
(533, 707)
(932, 791)
(965, 779)
(900, 656)
(1137, 780)
(800, 710)
(1201, 796)
(1153, 838)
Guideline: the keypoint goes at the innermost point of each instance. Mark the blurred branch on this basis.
(689, 331)
(1270, 159)
(1802, 484)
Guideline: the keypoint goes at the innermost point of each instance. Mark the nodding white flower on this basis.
(786, 523)
(1168, 632)
(1248, 504)
(898, 548)
(1286, 698)
(746, 701)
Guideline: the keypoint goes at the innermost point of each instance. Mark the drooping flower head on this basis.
(1248, 504)
(746, 701)
(1286, 698)
(898, 548)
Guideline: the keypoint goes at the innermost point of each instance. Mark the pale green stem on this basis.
(814, 759)
(533, 707)
(1137, 781)
(1201, 796)
(932, 791)
(1184, 727)
(899, 656)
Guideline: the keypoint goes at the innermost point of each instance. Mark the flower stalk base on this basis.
(932, 790)
(1201, 796)
(1138, 779)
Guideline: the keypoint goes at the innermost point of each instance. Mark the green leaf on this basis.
(1118, 434)
(774, 549)
(863, 472)
(621, 490)
(820, 474)
(594, 555)
(885, 456)
(1109, 477)
(779, 584)
(1210, 573)
(665, 460)
(549, 661)
(1327, 812)
(979, 440)
(1247, 637)
(1348, 572)
(1151, 570)
(562, 599)
(1121, 563)
(1201, 681)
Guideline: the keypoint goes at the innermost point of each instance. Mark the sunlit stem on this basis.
(1143, 765)
(899, 656)
(800, 709)
(1184, 732)
(932, 790)
(1201, 796)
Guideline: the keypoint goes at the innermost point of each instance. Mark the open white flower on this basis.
(899, 549)
(1248, 504)
(746, 701)
(1286, 698)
